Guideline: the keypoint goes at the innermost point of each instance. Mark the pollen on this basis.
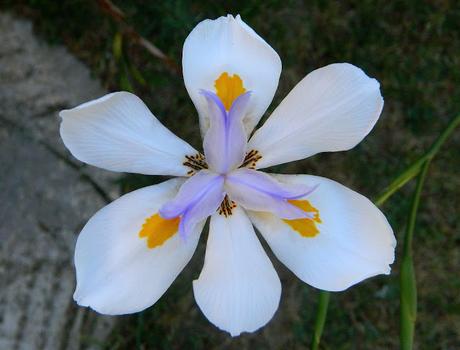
(158, 230)
(228, 88)
(305, 227)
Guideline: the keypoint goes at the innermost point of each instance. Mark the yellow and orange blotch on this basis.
(158, 230)
(228, 88)
(305, 227)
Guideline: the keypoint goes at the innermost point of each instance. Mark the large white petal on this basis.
(332, 109)
(118, 132)
(227, 44)
(116, 272)
(238, 289)
(355, 240)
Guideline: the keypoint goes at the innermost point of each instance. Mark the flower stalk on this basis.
(323, 303)
(408, 292)
(408, 284)
(413, 170)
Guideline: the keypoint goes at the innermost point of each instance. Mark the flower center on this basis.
(228, 88)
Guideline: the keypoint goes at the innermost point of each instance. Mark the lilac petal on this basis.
(214, 141)
(189, 192)
(225, 141)
(214, 102)
(258, 191)
(265, 183)
(198, 197)
(204, 207)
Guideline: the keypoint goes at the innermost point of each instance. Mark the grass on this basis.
(411, 47)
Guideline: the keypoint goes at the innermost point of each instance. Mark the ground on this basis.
(46, 196)
(411, 47)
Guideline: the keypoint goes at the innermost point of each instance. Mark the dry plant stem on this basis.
(408, 285)
(409, 282)
(118, 16)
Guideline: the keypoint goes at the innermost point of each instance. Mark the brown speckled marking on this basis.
(251, 159)
(196, 163)
(226, 207)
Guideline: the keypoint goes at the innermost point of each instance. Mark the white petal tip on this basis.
(80, 297)
(222, 321)
(67, 113)
(80, 300)
(85, 301)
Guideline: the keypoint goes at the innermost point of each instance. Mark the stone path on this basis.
(45, 195)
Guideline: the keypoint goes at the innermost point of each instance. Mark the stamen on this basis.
(196, 163)
(305, 227)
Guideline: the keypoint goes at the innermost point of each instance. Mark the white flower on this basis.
(331, 237)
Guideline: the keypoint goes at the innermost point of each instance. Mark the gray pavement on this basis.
(46, 196)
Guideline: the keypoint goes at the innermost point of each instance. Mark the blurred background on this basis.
(54, 55)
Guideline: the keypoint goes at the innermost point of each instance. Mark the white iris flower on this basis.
(329, 236)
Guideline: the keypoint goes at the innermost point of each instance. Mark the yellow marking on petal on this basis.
(228, 88)
(305, 227)
(158, 230)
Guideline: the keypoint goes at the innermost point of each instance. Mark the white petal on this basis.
(229, 45)
(355, 240)
(118, 132)
(331, 109)
(116, 272)
(238, 289)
